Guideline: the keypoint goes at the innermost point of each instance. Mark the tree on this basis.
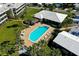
(9, 48)
(70, 13)
(42, 49)
(56, 52)
(44, 5)
(51, 6)
(68, 21)
(23, 16)
(68, 5)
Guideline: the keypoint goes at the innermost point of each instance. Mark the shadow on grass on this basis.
(13, 26)
(4, 42)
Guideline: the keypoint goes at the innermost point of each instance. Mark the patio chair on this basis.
(49, 32)
(42, 38)
(45, 36)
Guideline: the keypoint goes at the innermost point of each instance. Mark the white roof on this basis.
(3, 9)
(68, 41)
(12, 5)
(76, 5)
(0, 6)
(53, 16)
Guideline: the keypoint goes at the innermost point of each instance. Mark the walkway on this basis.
(66, 28)
(35, 7)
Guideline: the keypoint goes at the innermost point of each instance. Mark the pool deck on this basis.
(27, 31)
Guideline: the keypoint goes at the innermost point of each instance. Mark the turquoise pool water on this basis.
(37, 33)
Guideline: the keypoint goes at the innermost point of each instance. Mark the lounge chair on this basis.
(49, 32)
(42, 38)
(46, 36)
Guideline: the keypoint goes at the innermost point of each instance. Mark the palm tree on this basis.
(56, 52)
(44, 5)
(49, 6)
(68, 21)
(42, 49)
(68, 5)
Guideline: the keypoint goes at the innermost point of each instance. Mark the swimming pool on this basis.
(37, 33)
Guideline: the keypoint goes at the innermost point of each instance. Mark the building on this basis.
(68, 42)
(75, 31)
(76, 6)
(3, 15)
(16, 9)
(76, 20)
(11, 10)
(48, 17)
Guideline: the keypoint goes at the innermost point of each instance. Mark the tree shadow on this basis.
(4, 42)
(8, 47)
(24, 54)
(13, 26)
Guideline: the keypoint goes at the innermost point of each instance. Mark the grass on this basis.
(9, 29)
(9, 33)
(30, 12)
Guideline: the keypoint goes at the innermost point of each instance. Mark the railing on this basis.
(20, 11)
(2, 16)
(3, 20)
(20, 8)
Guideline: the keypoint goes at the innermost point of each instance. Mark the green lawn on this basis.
(30, 12)
(9, 29)
(9, 34)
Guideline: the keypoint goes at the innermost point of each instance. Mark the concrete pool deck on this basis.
(27, 31)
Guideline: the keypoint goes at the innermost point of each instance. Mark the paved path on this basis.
(35, 7)
(18, 20)
(66, 28)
